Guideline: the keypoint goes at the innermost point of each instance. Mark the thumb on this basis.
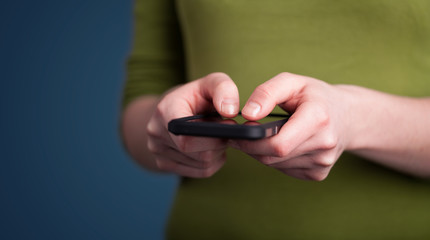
(265, 97)
(224, 93)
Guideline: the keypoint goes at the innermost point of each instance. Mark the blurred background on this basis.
(64, 173)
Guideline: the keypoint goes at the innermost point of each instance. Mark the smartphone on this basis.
(214, 125)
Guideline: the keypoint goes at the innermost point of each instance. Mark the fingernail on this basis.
(228, 107)
(251, 109)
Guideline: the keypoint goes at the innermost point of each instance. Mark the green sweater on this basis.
(379, 44)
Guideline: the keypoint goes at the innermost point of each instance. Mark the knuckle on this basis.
(223, 84)
(316, 175)
(217, 75)
(319, 177)
(205, 165)
(329, 142)
(184, 144)
(264, 91)
(152, 147)
(285, 75)
(205, 160)
(321, 115)
(206, 173)
(323, 119)
(206, 156)
(163, 165)
(280, 150)
(325, 161)
(159, 109)
(151, 129)
(267, 160)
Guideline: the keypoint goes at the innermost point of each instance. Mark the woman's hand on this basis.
(327, 120)
(312, 140)
(185, 155)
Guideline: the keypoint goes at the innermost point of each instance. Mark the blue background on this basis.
(64, 173)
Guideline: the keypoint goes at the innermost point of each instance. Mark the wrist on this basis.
(360, 105)
(133, 130)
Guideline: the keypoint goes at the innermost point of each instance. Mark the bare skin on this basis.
(327, 120)
(149, 142)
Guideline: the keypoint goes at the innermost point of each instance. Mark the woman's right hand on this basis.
(189, 156)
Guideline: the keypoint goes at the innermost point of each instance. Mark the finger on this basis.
(156, 128)
(298, 173)
(189, 144)
(223, 92)
(168, 165)
(314, 159)
(282, 88)
(324, 145)
(200, 160)
(300, 127)
(184, 143)
(280, 163)
(312, 174)
(206, 158)
(205, 163)
(216, 90)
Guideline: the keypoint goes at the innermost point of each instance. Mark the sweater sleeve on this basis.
(156, 62)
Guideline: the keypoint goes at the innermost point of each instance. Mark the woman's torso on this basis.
(384, 45)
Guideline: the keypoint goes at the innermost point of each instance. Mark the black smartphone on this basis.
(213, 125)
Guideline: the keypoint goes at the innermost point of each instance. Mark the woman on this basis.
(373, 147)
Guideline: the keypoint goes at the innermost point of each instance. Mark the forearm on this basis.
(133, 127)
(390, 130)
